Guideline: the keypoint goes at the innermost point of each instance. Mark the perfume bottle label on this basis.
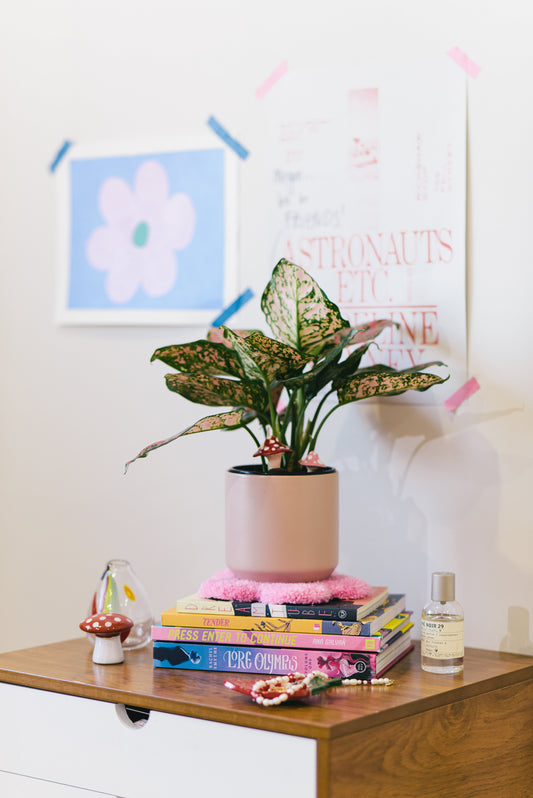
(442, 639)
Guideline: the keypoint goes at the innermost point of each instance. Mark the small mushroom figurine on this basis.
(109, 628)
(312, 461)
(272, 449)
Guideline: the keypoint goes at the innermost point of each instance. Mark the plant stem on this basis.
(288, 413)
(300, 436)
(328, 414)
(307, 437)
(249, 431)
(264, 463)
(319, 408)
(315, 419)
(274, 418)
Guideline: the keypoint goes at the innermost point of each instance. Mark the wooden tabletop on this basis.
(67, 667)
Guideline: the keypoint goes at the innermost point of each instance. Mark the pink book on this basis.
(244, 637)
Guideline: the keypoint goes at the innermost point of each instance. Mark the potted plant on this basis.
(289, 384)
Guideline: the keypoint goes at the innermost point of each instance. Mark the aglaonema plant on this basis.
(289, 383)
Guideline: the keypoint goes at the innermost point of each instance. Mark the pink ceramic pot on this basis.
(282, 527)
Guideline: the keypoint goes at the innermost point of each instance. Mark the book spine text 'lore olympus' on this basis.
(278, 661)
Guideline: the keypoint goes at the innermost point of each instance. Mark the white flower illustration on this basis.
(144, 226)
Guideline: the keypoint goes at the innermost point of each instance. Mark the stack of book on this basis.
(360, 639)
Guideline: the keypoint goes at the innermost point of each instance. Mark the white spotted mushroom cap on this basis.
(271, 447)
(107, 624)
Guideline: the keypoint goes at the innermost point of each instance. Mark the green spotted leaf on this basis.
(264, 358)
(382, 381)
(232, 419)
(276, 359)
(297, 310)
(202, 356)
(216, 335)
(207, 390)
(329, 367)
(337, 373)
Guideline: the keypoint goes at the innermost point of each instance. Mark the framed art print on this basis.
(147, 235)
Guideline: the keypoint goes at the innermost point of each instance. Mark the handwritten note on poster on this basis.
(368, 195)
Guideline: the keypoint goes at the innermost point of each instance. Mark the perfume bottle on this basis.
(442, 627)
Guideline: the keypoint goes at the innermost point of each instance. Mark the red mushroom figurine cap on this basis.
(107, 624)
(109, 629)
(312, 460)
(272, 449)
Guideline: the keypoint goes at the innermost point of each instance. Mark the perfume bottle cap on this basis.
(443, 586)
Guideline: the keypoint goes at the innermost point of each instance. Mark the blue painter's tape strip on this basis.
(60, 154)
(233, 308)
(215, 126)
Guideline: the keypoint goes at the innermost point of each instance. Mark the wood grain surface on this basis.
(482, 746)
(67, 667)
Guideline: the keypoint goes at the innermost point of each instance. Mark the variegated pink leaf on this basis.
(385, 383)
(350, 336)
(233, 419)
(274, 357)
(202, 357)
(216, 335)
(370, 331)
(238, 345)
(348, 369)
(297, 310)
(264, 358)
(206, 390)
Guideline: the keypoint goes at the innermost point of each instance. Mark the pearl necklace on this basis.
(275, 691)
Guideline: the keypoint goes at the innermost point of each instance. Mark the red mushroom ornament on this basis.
(108, 627)
(272, 449)
(312, 461)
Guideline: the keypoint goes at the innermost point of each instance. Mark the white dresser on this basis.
(66, 731)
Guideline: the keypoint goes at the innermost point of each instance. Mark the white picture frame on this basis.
(147, 233)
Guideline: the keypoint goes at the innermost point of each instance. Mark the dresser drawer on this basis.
(91, 744)
(14, 786)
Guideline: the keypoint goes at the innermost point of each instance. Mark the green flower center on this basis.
(140, 234)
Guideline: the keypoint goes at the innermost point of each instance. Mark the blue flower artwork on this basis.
(149, 237)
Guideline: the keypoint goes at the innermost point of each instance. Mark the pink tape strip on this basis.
(269, 82)
(462, 60)
(456, 399)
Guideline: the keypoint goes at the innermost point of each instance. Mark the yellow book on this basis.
(367, 626)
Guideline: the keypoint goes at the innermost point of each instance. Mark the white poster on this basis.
(368, 195)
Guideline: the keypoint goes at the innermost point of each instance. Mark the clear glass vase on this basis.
(120, 590)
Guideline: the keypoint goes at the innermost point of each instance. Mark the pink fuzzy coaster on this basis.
(224, 585)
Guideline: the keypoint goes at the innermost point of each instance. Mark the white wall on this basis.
(421, 491)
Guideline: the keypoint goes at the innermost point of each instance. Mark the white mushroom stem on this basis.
(273, 450)
(274, 461)
(108, 650)
(107, 627)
